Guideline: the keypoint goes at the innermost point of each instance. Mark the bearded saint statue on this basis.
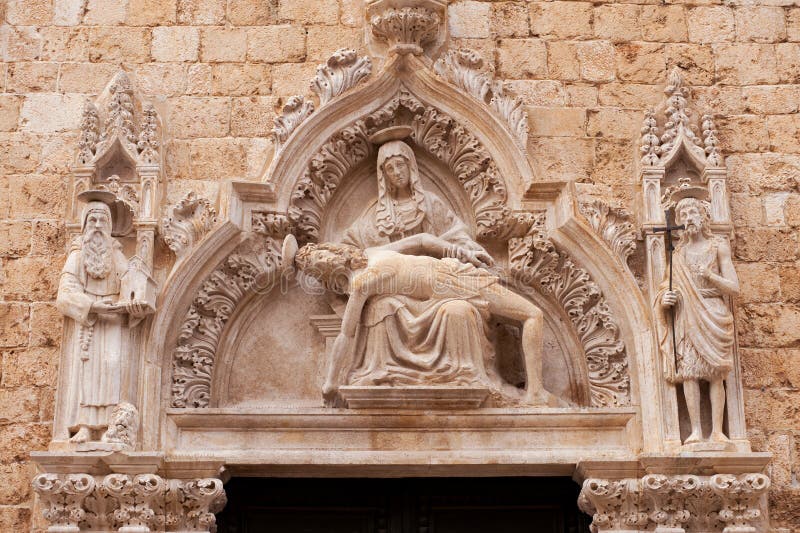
(704, 335)
(97, 335)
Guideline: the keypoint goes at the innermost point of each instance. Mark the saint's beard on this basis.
(96, 253)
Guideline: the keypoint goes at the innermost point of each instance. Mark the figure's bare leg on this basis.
(505, 303)
(717, 393)
(691, 390)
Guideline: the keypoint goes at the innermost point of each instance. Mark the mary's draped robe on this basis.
(403, 340)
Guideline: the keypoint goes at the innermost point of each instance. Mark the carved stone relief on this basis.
(186, 222)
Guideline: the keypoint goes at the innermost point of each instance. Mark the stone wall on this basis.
(219, 70)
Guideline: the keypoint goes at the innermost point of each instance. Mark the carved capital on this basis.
(406, 26)
(138, 500)
(343, 70)
(669, 495)
(186, 222)
(63, 497)
(615, 505)
(741, 506)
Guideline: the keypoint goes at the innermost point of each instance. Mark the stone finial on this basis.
(651, 144)
(90, 133)
(713, 156)
(406, 27)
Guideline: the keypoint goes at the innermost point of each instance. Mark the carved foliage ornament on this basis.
(535, 262)
(464, 68)
(252, 268)
(129, 502)
(406, 29)
(186, 222)
(676, 503)
(613, 226)
(437, 133)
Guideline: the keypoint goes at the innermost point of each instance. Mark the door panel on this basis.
(414, 505)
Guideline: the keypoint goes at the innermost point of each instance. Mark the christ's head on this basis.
(331, 264)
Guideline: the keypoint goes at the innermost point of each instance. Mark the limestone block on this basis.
(223, 44)
(9, 111)
(30, 367)
(756, 173)
(775, 209)
(18, 440)
(15, 518)
(610, 161)
(509, 19)
(163, 79)
(629, 95)
(29, 12)
(17, 487)
(218, 159)
(781, 444)
(65, 44)
(31, 77)
(617, 22)
(746, 210)
(251, 12)
(563, 157)
(129, 45)
(236, 79)
(787, 58)
(793, 210)
(351, 13)
(202, 12)
(522, 58)
(790, 282)
(562, 61)
(696, 62)
(250, 117)
(540, 92)
(557, 122)
(561, 20)
(760, 24)
(613, 122)
(175, 43)
(793, 24)
(19, 405)
(323, 41)
(14, 324)
(317, 12)
(580, 95)
(772, 99)
(743, 133)
(640, 62)
(276, 44)
(746, 64)
(88, 78)
(151, 12)
(663, 23)
(711, 24)
(22, 43)
(784, 133)
(15, 238)
(31, 278)
(774, 409)
(105, 12)
(292, 78)
(21, 152)
(198, 79)
(467, 18)
(48, 113)
(770, 367)
(200, 117)
(767, 244)
(67, 12)
(596, 60)
(758, 282)
(46, 325)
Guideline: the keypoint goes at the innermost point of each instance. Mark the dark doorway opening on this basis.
(408, 505)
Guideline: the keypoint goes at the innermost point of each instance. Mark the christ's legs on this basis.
(691, 390)
(717, 393)
(505, 303)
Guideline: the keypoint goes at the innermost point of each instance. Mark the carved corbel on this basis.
(341, 72)
(201, 499)
(271, 224)
(186, 223)
(615, 505)
(63, 497)
(669, 495)
(406, 27)
(138, 499)
(741, 497)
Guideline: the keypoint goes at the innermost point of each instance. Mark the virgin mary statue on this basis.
(402, 340)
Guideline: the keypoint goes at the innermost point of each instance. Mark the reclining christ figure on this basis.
(393, 269)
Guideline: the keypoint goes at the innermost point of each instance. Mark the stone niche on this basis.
(400, 295)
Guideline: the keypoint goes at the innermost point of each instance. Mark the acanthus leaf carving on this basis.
(613, 504)
(613, 226)
(271, 224)
(535, 261)
(186, 222)
(341, 72)
(741, 500)
(251, 268)
(137, 497)
(669, 495)
(464, 68)
(296, 110)
(63, 497)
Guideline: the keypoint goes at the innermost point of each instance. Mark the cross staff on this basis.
(667, 231)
